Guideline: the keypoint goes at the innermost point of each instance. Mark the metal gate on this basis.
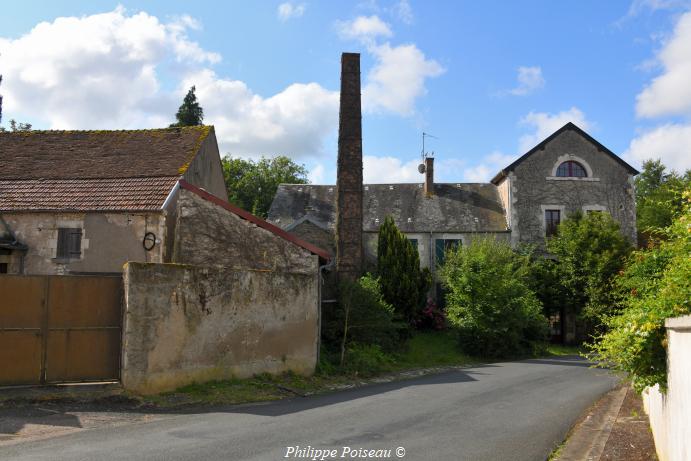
(57, 329)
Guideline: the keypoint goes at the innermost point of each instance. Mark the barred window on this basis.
(571, 169)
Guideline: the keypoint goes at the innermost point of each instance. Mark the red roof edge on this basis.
(323, 254)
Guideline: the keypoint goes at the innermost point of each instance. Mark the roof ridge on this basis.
(98, 131)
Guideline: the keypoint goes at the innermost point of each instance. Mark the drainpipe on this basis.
(328, 266)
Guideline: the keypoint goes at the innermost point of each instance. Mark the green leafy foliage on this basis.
(590, 251)
(252, 185)
(404, 285)
(361, 316)
(655, 285)
(659, 197)
(190, 112)
(490, 302)
(367, 360)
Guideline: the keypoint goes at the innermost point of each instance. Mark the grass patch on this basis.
(561, 349)
(424, 350)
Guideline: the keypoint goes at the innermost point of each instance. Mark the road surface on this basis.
(503, 411)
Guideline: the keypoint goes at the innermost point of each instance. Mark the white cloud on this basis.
(670, 93)
(397, 79)
(96, 71)
(670, 143)
(490, 166)
(399, 73)
(364, 29)
(289, 10)
(293, 122)
(404, 12)
(529, 80)
(544, 124)
(381, 170)
(317, 174)
(103, 71)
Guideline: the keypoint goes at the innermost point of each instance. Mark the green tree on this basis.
(490, 302)
(404, 284)
(590, 251)
(659, 196)
(252, 184)
(656, 285)
(190, 112)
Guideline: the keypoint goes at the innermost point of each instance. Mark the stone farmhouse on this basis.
(121, 258)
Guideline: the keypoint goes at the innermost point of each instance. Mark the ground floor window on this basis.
(441, 246)
(552, 220)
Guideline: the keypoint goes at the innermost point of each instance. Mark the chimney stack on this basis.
(429, 175)
(349, 252)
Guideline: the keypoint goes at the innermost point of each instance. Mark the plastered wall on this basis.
(187, 324)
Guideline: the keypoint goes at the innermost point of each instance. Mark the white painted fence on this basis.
(670, 413)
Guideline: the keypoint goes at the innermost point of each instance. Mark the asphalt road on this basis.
(504, 411)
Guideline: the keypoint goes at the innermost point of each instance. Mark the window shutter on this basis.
(62, 251)
(439, 250)
(75, 243)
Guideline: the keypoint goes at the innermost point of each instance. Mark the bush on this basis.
(431, 317)
(367, 359)
(655, 285)
(490, 302)
(403, 284)
(590, 250)
(360, 317)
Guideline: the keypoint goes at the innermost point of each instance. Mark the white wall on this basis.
(670, 413)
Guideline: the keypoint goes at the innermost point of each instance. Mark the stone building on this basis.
(569, 171)
(85, 202)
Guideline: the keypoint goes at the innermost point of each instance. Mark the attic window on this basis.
(571, 169)
(69, 243)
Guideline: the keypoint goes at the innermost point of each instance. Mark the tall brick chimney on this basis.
(349, 253)
(429, 175)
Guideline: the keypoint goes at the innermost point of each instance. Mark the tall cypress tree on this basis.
(403, 284)
(190, 112)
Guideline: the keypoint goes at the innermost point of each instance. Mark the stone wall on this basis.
(670, 413)
(187, 324)
(205, 171)
(108, 241)
(534, 188)
(207, 234)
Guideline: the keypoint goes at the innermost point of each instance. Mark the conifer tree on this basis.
(403, 284)
(190, 112)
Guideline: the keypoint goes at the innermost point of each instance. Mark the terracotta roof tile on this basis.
(108, 194)
(99, 154)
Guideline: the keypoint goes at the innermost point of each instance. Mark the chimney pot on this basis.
(429, 176)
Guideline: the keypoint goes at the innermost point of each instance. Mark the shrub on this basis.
(655, 285)
(431, 317)
(490, 302)
(403, 284)
(361, 316)
(590, 250)
(367, 359)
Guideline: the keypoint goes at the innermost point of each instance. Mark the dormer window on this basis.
(571, 169)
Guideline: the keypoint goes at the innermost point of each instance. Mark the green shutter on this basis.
(439, 250)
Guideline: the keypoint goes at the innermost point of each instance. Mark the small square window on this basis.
(413, 242)
(69, 243)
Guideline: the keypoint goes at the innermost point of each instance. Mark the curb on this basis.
(588, 438)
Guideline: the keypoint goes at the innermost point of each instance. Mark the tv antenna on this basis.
(423, 154)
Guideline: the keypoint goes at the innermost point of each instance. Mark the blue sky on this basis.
(489, 79)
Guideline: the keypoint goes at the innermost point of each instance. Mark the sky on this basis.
(487, 79)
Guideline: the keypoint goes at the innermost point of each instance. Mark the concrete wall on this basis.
(670, 413)
(187, 324)
(209, 235)
(205, 170)
(534, 187)
(108, 241)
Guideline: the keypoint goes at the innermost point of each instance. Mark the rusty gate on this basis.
(56, 329)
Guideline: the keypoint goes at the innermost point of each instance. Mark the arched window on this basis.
(571, 169)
